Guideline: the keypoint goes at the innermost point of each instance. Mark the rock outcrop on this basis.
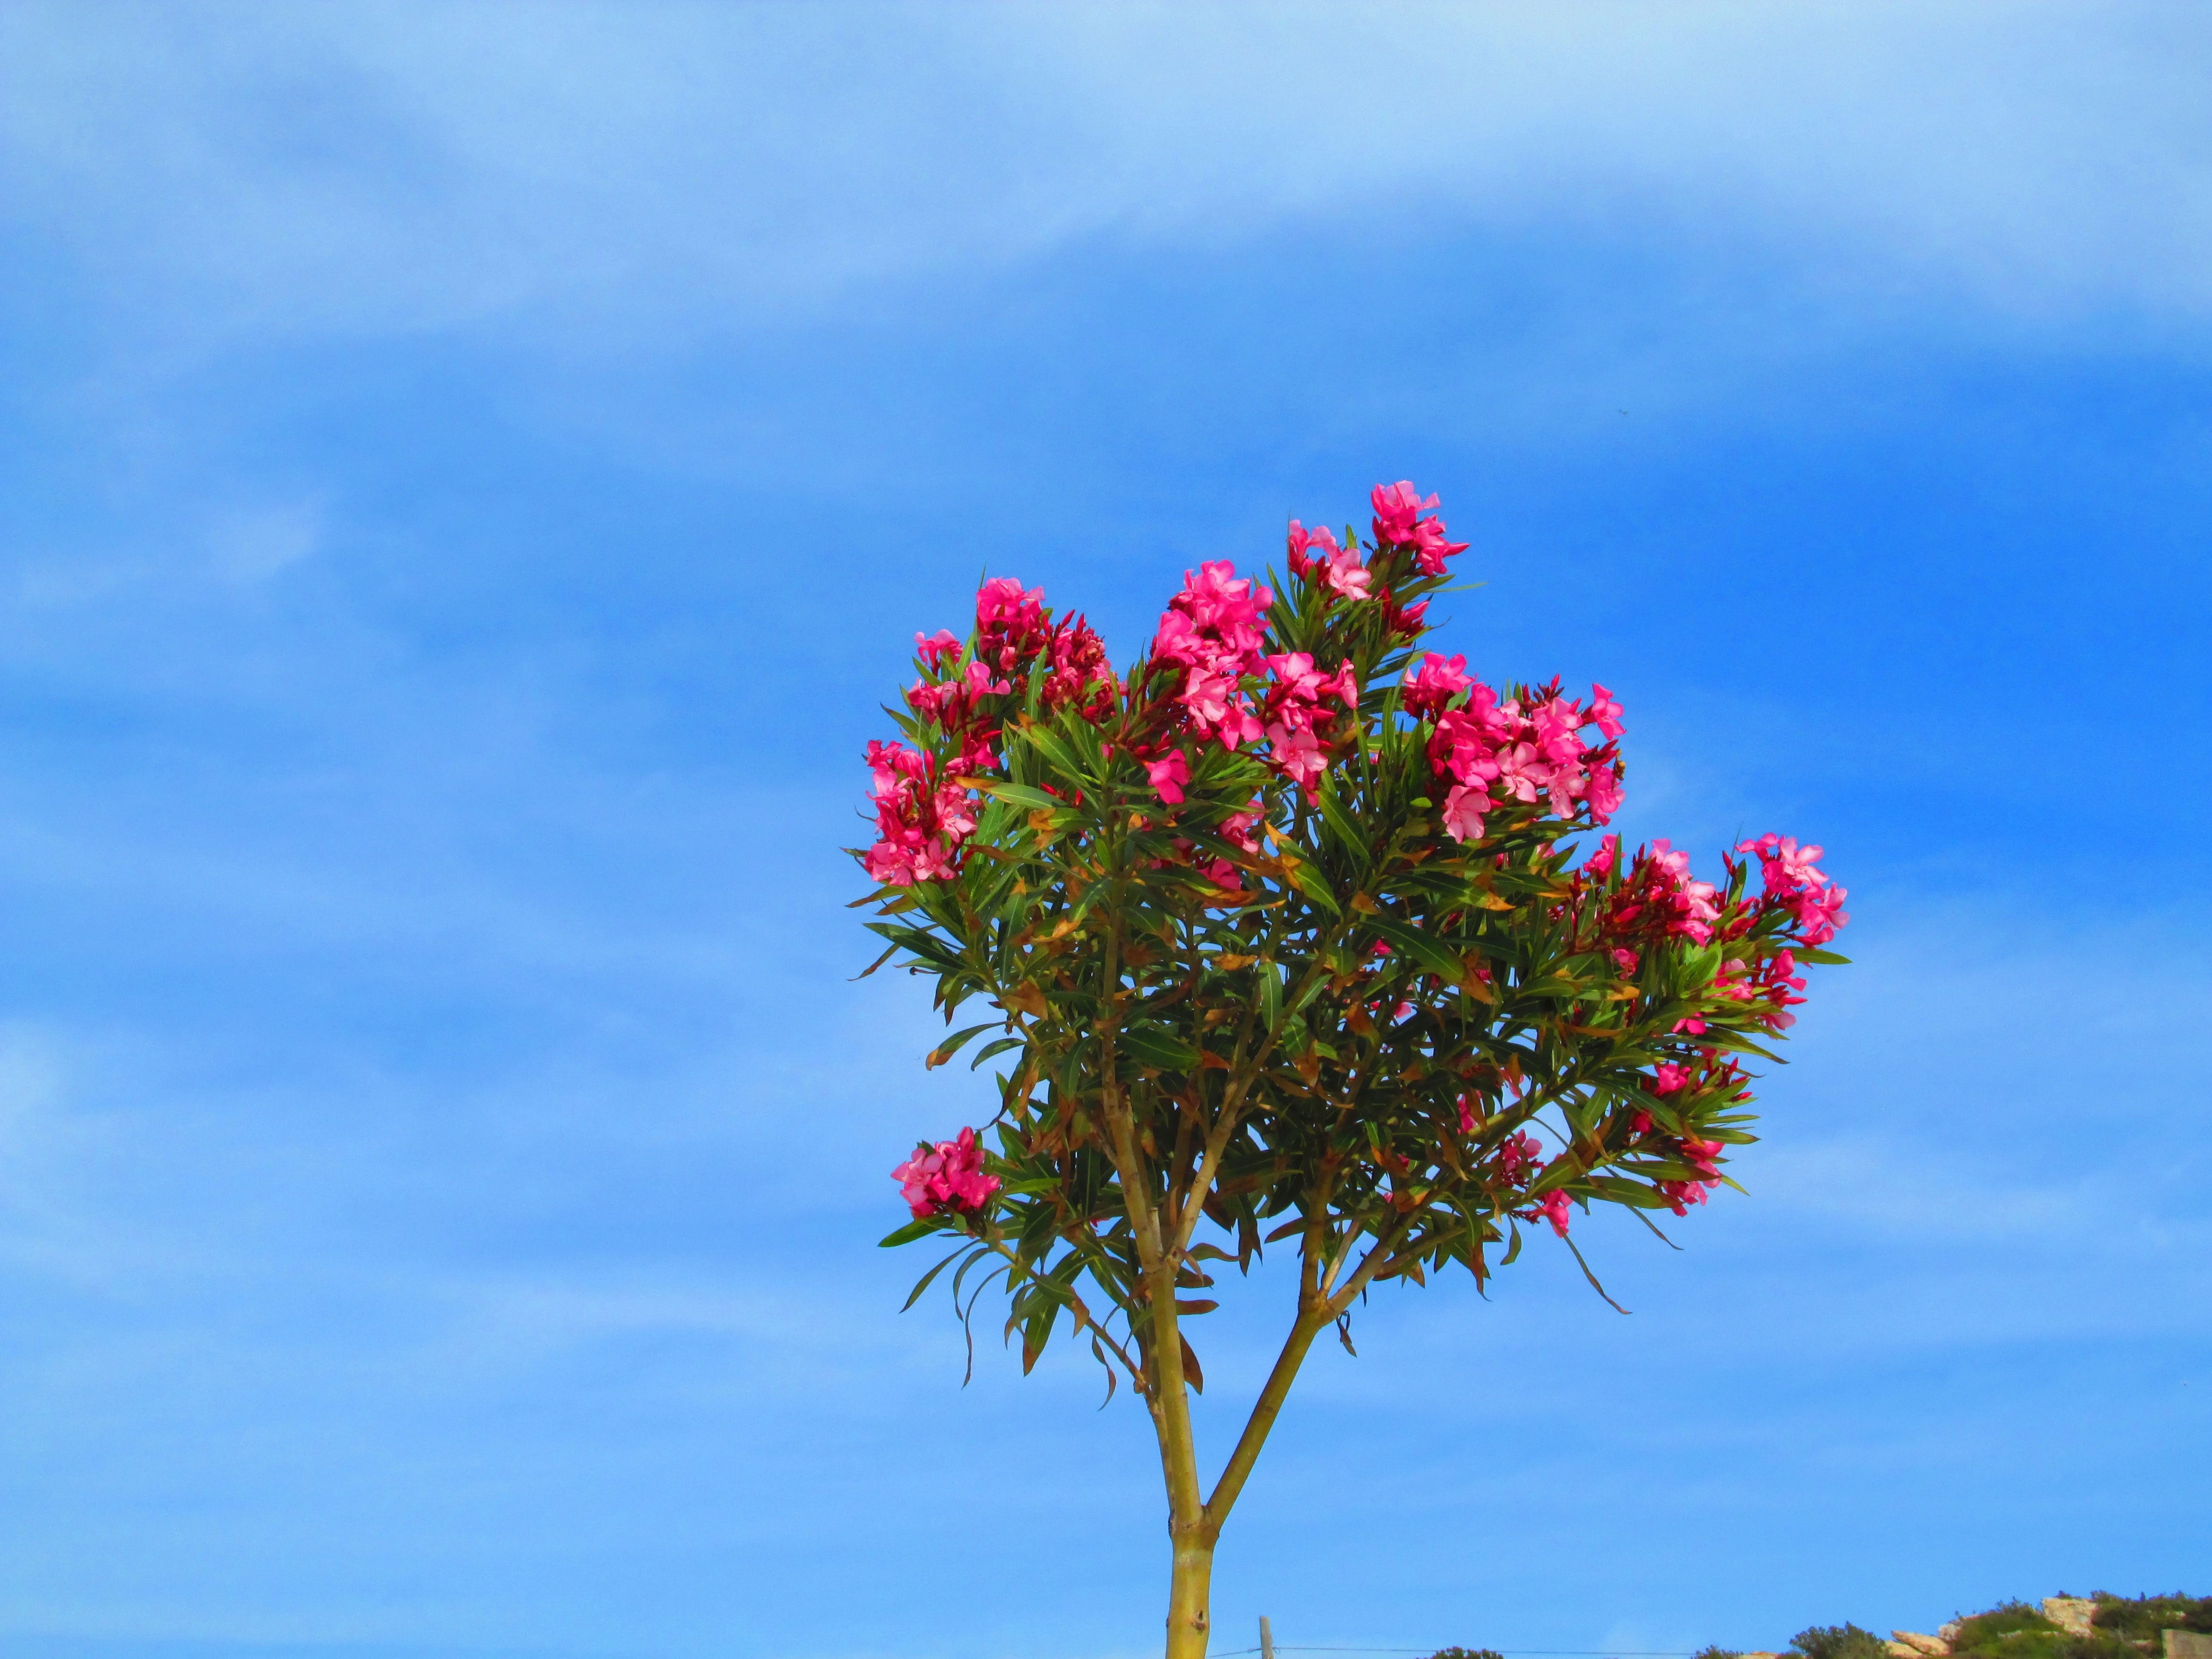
(2071, 1613)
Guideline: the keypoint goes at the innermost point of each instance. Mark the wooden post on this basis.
(1267, 1639)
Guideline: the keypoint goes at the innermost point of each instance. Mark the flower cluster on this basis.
(920, 819)
(1296, 721)
(1213, 631)
(1337, 569)
(1524, 752)
(1768, 984)
(1706, 1072)
(1656, 899)
(1399, 521)
(946, 1179)
(1793, 881)
(1518, 1158)
(1700, 1156)
(961, 705)
(1210, 679)
(1013, 628)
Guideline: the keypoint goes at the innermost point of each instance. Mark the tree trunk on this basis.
(1190, 1593)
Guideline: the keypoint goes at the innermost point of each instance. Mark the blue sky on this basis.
(469, 474)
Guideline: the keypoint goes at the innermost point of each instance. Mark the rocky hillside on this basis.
(2099, 1627)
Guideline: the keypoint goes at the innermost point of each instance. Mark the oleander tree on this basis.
(1295, 935)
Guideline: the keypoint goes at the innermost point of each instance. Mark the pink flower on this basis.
(1215, 706)
(1216, 598)
(956, 811)
(1555, 1207)
(1295, 753)
(1465, 742)
(1294, 697)
(1786, 865)
(1169, 776)
(1337, 569)
(1699, 1155)
(936, 647)
(1404, 621)
(1229, 883)
(1791, 877)
(1398, 510)
(1178, 640)
(1517, 1158)
(1625, 960)
(1463, 810)
(1603, 712)
(1004, 603)
(1733, 981)
(1667, 1077)
(1601, 793)
(1680, 1195)
(1466, 1116)
(1080, 674)
(1320, 536)
(1599, 865)
(1236, 829)
(946, 1178)
(1553, 722)
(1396, 507)
(919, 824)
(1425, 690)
(1345, 576)
(903, 859)
(1296, 679)
(1820, 912)
(1694, 909)
(1212, 628)
(1521, 772)
(890, 765)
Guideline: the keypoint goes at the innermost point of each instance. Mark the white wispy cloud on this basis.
(416, 166)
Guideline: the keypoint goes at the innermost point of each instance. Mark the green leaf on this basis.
(1153, 1046)
(1339, 822)
(997, 1047)
(1427, 951)
(920, 1227)
(1023, 794)
(914, 1295)
(1050, 744)
(1309, 882)
(953, 1044)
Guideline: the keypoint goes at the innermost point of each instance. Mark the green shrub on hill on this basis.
(2124, 1628)
(1845, 1641)
(2142, 1618)
(1981, 1632)
(2017, 1630)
